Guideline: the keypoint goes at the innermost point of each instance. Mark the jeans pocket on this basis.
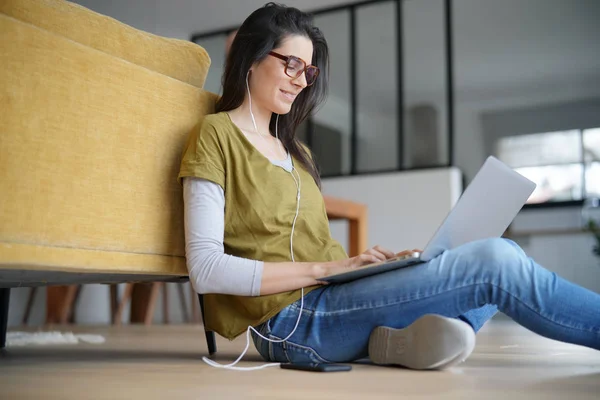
(277, 351)
(297, 353)
(286, 352)
(270, 349)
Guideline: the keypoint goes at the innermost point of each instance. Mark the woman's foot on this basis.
(431, 342)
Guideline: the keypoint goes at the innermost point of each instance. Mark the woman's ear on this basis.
(254, 65)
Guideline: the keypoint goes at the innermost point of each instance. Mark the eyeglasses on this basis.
(294, 67)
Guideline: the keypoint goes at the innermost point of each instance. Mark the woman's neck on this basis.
(262, 116)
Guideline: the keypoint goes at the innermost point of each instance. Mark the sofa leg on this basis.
(4, 297)
(210, 335)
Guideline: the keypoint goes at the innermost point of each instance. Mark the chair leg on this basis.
(143, 301)
(126, 297)
(114, 301)
(59, 303)
(210, 335)
(29, 305)
(195, 317)
(165, 303)
(4, 298)
(71, 315)
(180, 291)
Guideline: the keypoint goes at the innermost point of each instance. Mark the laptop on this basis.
(485, 210)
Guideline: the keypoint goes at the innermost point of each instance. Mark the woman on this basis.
(258, 239)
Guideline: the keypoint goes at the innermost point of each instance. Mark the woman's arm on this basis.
(213, 271)
(210, 269)
(283, 276)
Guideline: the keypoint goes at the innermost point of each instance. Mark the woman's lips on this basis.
(288, 96)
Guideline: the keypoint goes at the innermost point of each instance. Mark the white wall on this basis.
(405, 208)
(569, 255)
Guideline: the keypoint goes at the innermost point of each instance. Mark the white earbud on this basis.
(298, 187)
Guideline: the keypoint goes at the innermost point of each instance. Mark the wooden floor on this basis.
(164, 362)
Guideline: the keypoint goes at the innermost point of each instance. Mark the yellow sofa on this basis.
(95, 115)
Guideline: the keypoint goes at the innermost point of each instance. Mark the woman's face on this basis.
(270, 87)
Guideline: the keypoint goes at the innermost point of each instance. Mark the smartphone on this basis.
(317, 367)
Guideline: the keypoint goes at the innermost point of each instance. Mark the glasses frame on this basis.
(300, 71)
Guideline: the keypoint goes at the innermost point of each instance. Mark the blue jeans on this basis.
(471, 282)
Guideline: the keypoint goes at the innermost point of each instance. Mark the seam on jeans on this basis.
(588, 329)
(272, 348)
(307, 311)
(328, 313)
(392, 303)
(307, 349)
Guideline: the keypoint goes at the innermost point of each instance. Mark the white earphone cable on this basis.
(279, 144)
(298, 183)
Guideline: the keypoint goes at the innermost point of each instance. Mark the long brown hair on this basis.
(260, 33)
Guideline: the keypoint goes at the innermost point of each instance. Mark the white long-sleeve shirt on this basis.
(210, 269)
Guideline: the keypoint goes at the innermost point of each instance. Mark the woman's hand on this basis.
(372, 255)
(407, 252)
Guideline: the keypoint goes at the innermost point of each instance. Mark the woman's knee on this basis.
(495, 263)
(495, 248)
(496, 252)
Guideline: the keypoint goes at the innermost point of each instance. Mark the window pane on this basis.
(555, 183)
(592, 180)
(526, 62)
(215, 47)
(425, 107)
(540, 149)
(331, 140)
(377, 112)
(591, 144)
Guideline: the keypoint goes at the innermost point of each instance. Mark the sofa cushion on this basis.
(178, 59)
(90, 146)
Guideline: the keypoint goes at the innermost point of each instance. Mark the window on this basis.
(591, 156)
(565, 165)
